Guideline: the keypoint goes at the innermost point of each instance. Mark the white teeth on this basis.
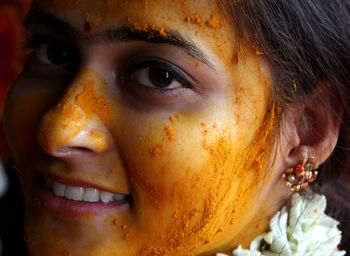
(91, 195)
(75, 193)
(82, 194)
(58, 188)
(106, 197)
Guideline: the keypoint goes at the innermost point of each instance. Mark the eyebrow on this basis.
(122, 34)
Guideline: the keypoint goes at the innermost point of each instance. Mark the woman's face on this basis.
(140, 128)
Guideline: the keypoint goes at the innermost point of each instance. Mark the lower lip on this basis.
(63, 207)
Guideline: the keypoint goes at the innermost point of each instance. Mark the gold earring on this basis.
(299, 178)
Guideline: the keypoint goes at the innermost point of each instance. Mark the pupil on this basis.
(160, 77)
(57, 54)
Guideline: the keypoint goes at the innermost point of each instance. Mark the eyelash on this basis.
(37, 41)
(178, 75)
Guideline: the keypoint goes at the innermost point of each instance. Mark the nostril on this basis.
(63, 135)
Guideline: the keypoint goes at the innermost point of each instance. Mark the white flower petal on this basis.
(306, 230)
(241, 252)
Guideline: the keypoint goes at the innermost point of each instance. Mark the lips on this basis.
(85, 194)
(75, 201)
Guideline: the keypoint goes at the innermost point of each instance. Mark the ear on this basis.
(311, 128)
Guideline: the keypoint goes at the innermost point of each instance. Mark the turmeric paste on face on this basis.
(174, 118)
(213, 22)
(169, 132)
(195, 178)
(195, 19)
(73, 113)
(158, 149)
(92, 103)
(141, 26)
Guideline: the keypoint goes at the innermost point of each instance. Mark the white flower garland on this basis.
(305, 231)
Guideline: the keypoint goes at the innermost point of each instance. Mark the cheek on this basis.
(188, 170)
(22, 114)
(26, 103)
(162, 154)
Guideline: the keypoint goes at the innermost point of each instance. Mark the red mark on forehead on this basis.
(88, 26)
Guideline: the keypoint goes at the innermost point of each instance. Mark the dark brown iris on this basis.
(58, 54)
(160, 77)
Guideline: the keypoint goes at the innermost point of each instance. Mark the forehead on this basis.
(203, 22)
(133, 9)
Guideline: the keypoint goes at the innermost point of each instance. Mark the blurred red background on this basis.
(12, 60)
(12, 56)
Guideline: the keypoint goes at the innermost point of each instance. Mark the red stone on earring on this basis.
(300, 169)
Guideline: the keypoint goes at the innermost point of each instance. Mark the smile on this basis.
(84, 194)
(69, 201)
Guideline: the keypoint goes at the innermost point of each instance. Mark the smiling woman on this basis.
(165, 128)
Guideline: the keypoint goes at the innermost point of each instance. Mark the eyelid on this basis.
(178, 73)
(35, 40)
(38, 44)
(41, 38)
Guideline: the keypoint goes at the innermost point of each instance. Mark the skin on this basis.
(197, 162)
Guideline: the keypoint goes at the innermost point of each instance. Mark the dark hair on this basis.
(308, 41)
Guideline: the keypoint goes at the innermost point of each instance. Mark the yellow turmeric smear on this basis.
(59, 124)
(100, 141)
(146, 27)
(264, 138)
(257, 165)
(158, 149)
(238, 104)
(92, 103)
(236, 59)
(195, 19)
(124, 229)
(254, 158)
(95, 134)
(174, 118)
(69, 110)
(169, 132)
(196, 227)
(213, 22)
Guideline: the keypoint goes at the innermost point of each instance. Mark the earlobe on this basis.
(311, 128)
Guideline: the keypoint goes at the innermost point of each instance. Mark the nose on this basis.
(78, 125)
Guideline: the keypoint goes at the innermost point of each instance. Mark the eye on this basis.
(53, 54)
(158, 75)
(50, 51)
